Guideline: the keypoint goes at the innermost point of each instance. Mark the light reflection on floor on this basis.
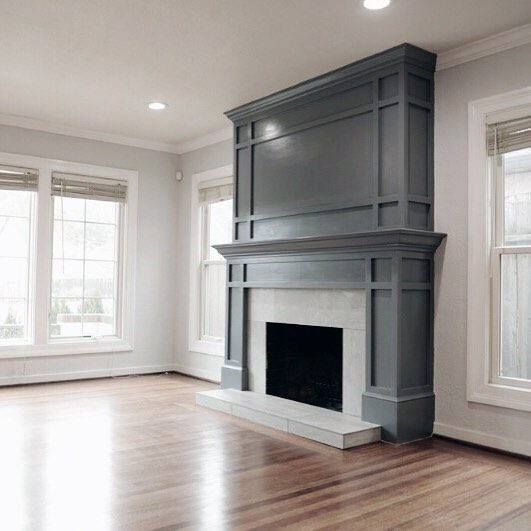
(78, 472)
(13, 469)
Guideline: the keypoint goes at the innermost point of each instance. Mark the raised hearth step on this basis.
(318, 424)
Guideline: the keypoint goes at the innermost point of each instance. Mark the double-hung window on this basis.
(212, 209)
(67, 244)
(509, 150)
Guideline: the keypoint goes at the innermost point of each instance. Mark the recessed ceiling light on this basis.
(157, 105)
(375, 4)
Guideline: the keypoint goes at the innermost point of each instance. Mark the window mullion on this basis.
(43, 258)
(83, 269)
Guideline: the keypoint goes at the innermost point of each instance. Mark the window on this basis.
(510, 163)
(18, 188)
(67, 244)
(86, 259)
(499, 251)
(212, 208)
(217, 229)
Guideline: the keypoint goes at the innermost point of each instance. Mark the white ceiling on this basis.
(95, 64)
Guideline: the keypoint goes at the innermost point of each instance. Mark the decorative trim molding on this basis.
(84, 375)
(203, 374)
(362, 241)
(506, 444)
(483, 47)
(88, 134)
(58, 129)
(205, 140)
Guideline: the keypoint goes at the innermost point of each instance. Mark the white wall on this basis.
(157, 256)
(201, 365)
(455, 87)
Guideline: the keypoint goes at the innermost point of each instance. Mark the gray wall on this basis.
(155, 304)
(454, 88)
(197, 364)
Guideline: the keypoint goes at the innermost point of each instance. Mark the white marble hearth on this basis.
(322, 425)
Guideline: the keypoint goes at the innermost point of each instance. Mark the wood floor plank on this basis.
(136, 453)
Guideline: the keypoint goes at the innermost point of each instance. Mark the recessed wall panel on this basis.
(388, 87)
(297, 271)
(389, 158)
(327, 164)
(314, 224)
(243, 157)
(343, 101)
(418, 150)
(383, 338)
(415, 319)
(415, 270)
(388, 215)
(381, 269)
(418, 87)
(419, 215)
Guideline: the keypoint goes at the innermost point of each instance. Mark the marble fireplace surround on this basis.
(343, 309)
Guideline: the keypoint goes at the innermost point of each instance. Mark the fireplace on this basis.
(305, 364)
(334, 204)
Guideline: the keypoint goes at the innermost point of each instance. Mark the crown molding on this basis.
(483, 47)
(205, 140)
(58, 129)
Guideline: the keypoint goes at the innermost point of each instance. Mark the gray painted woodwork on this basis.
(334, 189)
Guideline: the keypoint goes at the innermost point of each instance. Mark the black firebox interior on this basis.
(305, 363)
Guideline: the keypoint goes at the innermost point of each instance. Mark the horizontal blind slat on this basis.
(213, 194)
(509, 136)
(85, 187)
(15, 178)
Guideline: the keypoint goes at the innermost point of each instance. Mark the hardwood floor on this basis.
(136, 453)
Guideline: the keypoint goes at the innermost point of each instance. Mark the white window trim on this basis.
(481, 386)
(40, 344)
(221, 175)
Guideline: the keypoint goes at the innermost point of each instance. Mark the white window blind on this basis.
(213, 194)
(14, 178)
(509, 136)
(84, 187)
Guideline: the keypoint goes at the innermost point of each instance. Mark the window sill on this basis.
(65, 349)
(501, 396)
(207, 347)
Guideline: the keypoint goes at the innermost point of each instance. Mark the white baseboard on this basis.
(484, 439)
(204, 374)
(83, 375)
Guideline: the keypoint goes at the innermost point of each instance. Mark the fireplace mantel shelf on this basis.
(405, 239)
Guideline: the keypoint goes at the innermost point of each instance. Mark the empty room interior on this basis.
(265, 264)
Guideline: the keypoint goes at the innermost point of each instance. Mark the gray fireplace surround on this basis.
(334, 190)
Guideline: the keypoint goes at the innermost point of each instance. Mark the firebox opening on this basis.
(305, 364)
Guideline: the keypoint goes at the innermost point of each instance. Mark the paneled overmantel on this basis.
(334, 189)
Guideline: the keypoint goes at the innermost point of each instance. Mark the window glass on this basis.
(16, 222)
(86, 262)
(515, 266)
(516, 316)
(517, 170)
(220, 226)
(218, 230)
